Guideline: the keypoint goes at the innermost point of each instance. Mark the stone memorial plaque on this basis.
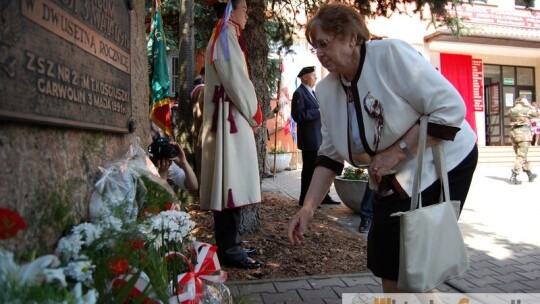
(66, 62)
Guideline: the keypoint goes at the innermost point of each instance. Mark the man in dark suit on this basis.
(305, 111)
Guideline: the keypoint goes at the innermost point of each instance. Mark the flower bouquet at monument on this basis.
(138, 248)
(44, 279)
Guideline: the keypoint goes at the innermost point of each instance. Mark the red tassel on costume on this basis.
(258, 116)
(230, 199)
(230, 118)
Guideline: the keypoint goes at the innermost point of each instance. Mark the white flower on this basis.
(170, 226)
(80, 271)
(89, 298)
(28, 274)
(69, 247)
(113, 223)
(89, 232)
(55, 276)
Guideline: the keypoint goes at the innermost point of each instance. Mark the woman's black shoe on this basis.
(251, 250)
(247, 263)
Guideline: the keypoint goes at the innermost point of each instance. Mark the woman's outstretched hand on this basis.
(298, 225)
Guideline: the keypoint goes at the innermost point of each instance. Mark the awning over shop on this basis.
(490, 35)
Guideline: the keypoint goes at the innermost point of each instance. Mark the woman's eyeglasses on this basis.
(322, 44)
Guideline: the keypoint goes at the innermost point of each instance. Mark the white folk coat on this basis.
(229, 168)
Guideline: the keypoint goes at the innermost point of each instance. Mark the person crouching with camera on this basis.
(170, 160)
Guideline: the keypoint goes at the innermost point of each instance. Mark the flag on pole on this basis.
(293, 129)
(283, 98)
(160, 111)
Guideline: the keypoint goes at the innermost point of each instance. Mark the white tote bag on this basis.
(431, 246)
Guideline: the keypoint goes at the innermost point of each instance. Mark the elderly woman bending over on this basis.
(370, 106)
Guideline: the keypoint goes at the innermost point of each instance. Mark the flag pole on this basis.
(275, 145)
(277, 116)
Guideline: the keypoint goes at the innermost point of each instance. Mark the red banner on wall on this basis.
(458, 70)
(478, 85)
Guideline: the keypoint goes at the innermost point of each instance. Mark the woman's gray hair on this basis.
(340, 20)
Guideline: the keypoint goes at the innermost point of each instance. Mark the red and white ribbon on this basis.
(141, 285)
(190, 284)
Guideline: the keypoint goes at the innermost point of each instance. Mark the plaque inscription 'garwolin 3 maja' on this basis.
(66, 62)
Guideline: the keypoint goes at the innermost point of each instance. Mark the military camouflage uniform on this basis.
(521, 135)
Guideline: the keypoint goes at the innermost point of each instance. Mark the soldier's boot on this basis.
(531, 175)
(513, 179)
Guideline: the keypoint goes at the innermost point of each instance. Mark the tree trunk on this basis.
(257, 46)
(186, 67)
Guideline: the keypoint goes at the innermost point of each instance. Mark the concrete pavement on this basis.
(500, 224)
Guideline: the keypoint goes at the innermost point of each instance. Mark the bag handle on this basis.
(442, 172)
(417, 181)
(440, 167)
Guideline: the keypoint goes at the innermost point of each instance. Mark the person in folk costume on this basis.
(229, 170)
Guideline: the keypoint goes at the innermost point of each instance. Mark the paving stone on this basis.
(526, 259)
(290, 296)
(234, 289)
(313, 301)
(483, 281)
(510, 277)
(375, 288)
(446, 289)
(514, 287)
(477, 256)
(534, 284)
(486, 289)
(482, 265)
(323, 293)
(292, 285)
(504, 263)
(333, 301)
(529, 267)
(526, 252)
(535, 274)
(353, 289)
(478, 273)
(254, 298)
(320, 283)
(355, 281)
(462, 284)
(506, 269)
(254, 288)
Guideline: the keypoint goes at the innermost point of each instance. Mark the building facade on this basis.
(497, 61)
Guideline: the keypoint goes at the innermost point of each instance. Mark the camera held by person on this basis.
(162, 149)
(170, 160)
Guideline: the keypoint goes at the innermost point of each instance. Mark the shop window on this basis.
(525, 76)
(492, 73)
(521, 3)
(509, 77)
